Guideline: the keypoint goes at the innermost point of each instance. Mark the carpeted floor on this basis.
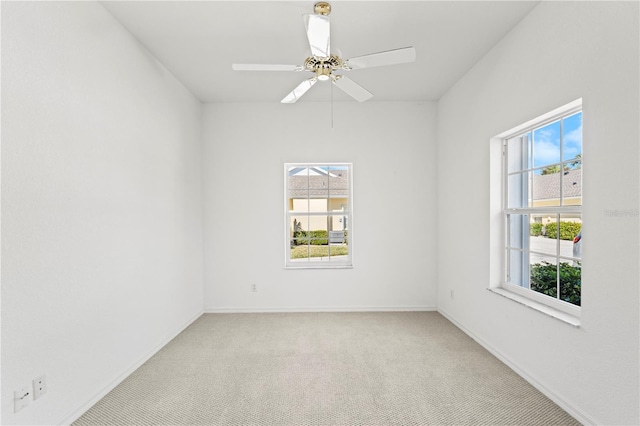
(384, 368)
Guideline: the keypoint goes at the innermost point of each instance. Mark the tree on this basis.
(551, 170)
(577, 163)
(573, 165)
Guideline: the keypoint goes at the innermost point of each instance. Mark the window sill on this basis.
(540, 307)
(308, 266)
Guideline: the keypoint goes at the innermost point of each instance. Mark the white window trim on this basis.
(563, 311)
(332, 264)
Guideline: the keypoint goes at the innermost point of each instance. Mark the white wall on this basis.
(101, 205)
(558, 53)
(391, 146)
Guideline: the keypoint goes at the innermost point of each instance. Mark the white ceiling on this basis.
(199, 40)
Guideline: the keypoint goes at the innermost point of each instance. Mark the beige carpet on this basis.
(397, 368)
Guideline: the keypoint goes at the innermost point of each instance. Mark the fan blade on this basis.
(317, 27)
(266, 67)
(299, 91)
(352, 88)
(388, 57)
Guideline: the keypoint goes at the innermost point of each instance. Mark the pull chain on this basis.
(331, 104)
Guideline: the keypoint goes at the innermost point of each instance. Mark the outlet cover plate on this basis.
(39, 386)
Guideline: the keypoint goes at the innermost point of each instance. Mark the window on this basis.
(542, 209)
(318, 219)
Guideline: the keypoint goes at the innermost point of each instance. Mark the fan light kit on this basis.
(323, 63)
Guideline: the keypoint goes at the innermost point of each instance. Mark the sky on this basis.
(546, 141)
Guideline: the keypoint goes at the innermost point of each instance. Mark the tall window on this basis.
(542, 205)
(318, 215)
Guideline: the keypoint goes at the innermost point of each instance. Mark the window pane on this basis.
(300, 253)
(570, 282)
(317, 205)
(546, 145)
(338, 222)
(572, 137)
(298, 188)
(299, 205)
(544, 276)
(519, 190)
(318, 182)
(546, 187)
(318, 226)
(545, 243)
(338, 186)
(572, 184)
(576, 247)
(518, 231)
(570, 228)
(339, 171)
(299, 230)
(518, 272)
(551, 226)
(519, 153)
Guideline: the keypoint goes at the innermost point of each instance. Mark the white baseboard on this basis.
(579, 415)
(220, 310)
(79, 411)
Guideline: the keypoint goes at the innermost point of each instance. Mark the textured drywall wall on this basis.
(101, 205)
(391, 147)
(560, 52)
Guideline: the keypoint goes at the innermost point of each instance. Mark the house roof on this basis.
(336, 185)
(333, 185)
(546, 187)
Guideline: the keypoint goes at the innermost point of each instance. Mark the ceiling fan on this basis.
(323, 63)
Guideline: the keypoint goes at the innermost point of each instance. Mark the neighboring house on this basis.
(545, 192)
(317, 190)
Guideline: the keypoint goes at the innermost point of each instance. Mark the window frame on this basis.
(342, 262)
(553, 306)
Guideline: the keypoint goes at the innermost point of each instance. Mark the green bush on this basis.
(535, 229)
(544, 278)
(318, 237)
(568, 230)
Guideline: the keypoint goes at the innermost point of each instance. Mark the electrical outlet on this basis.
(254, 288)
(451, 294)
(39, 386)
(21, 398)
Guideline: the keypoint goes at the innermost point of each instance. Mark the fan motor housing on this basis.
(323, 67)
